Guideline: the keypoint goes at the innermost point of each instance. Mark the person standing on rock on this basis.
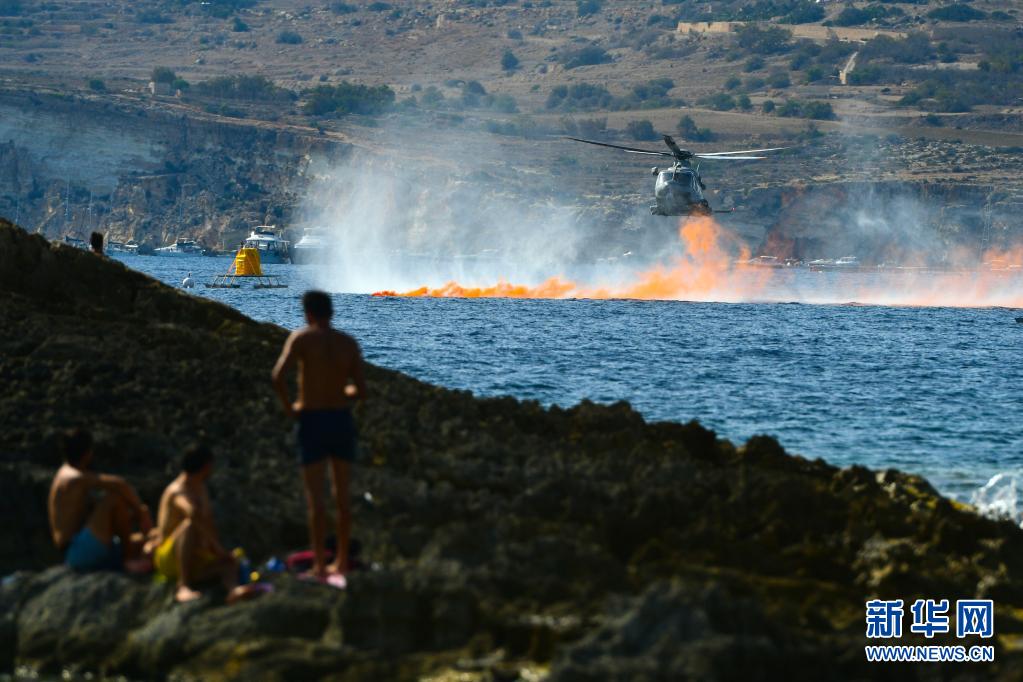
(95, 534)
(188, 549)
(330, 377)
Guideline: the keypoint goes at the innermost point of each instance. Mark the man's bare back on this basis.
(329, 363)
(178, 499)
(69, 503)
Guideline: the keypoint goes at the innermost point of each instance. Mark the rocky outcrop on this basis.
(500, 536)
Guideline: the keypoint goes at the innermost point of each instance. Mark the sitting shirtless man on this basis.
(95, 534)
(330, 375)
(188, 550)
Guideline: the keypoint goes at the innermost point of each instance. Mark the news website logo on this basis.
(930, 617)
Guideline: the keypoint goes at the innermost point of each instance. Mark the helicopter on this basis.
(678, 190)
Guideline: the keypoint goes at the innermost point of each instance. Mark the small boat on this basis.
(272, 247)
(847, 262)
(75, 242)
(312, 247)
(181, 247)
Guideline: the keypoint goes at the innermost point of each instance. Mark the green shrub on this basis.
(289, 38)
(97, 85)
(641, 130)
(579, 97)
(720, 102)
(688, 129)
(162, 74)
(768, 106)
(343, 8)
(239, 26)
(755, 39)
(754, 63)
(349, 98)
(956, 12)
(243, 87)
(585, 8)
(509, 62)
(585, 56)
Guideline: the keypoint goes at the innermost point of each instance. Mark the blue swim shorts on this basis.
(326, 433)
(88, 553)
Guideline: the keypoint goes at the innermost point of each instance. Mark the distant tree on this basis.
(514, 34)
(641, 130)
(180, 84)
(239, 26)
(475, 87)
(586, 56)
(720, 101)
(743, 102)
(956, 12)
(10, 8)
(378, 7)
(757, 40)
(768, 106)
(244, 87)
(754, 63)
(804, 13)
(342, 8)
(348, 98)
(289, 38)
(509, 62)
(97, 85)
(732, 83)
(690, 131)
(162, 74)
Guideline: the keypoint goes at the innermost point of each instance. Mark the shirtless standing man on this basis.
(330, 377)
(95, 535)
(188, 549)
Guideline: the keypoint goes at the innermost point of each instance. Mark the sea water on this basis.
(931, 391)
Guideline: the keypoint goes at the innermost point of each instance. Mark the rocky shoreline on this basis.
(506, 540)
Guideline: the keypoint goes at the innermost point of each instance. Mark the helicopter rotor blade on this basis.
(712, 157)
(743, 151)
(631, 150)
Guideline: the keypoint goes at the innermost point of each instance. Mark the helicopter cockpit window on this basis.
(667, 176)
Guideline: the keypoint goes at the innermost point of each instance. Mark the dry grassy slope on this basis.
(428, 44)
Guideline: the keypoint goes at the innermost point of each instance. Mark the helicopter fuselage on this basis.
(679, 192)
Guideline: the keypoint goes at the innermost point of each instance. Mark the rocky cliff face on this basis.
(69, 165)
(504, 539)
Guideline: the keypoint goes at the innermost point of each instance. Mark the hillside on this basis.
(901, 95)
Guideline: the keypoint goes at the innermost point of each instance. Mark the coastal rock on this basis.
(498, 535)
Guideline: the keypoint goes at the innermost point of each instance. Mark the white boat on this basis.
(181, 247)
(271, 246)
(312, 247)
(847, 261)
(75, 242)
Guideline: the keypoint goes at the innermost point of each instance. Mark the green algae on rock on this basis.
(504, 536)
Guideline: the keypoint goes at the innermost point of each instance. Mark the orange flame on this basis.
(705, 268)
(712, 268)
